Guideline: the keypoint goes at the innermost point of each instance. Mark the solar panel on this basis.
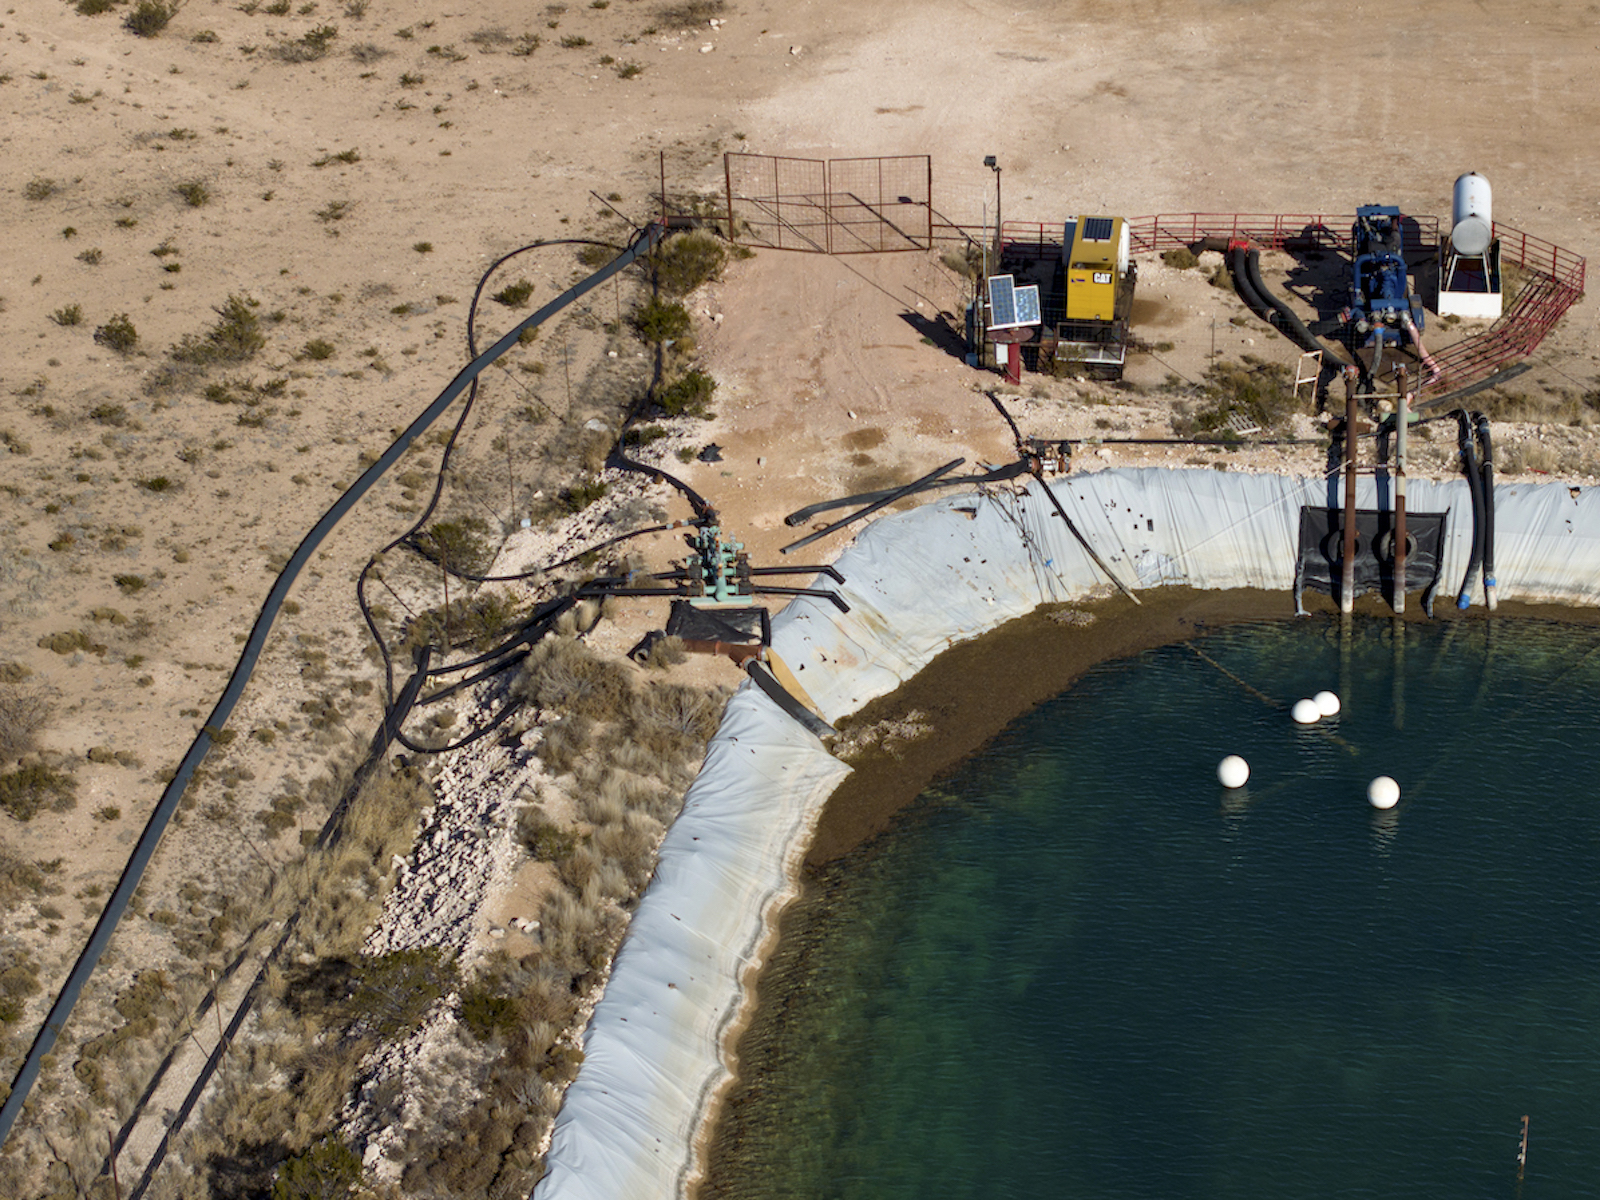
(1028, 305)
(1002, 302)
(1097, 229)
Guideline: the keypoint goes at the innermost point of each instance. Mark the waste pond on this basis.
(1080, 967)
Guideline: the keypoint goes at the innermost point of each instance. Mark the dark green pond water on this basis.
(1078, 968)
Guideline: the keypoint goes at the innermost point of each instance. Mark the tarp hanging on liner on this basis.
(653, 1049)
(918, 583)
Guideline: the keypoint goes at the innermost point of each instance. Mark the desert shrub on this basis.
(18, 877)
(328, 1170)
(564, 674)
(1257, 390)
(23, 712)
(689, 395)
(684, 263)
(684, 14)
(658, 320)
(93, 8)
(307, 48)
(545, 840)
(118, 334)
(580, 495)
(68, 315)
(150, 17)
(477, 622)
(318, 350)
(234, 338)
(514, 295)
(194, 193)
(31, 788)
(393, 992)
(458, 544)
(1182, 258)
(40, 187)
(487, 1014)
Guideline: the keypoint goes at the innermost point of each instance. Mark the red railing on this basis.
(1556, 283)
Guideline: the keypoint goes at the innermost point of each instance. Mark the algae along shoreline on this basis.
(831, 880)
(938, 720)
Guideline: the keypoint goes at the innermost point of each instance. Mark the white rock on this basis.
(707, 48)
(495, 931)
(797, 51)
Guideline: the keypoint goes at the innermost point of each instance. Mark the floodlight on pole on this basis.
(990, 162)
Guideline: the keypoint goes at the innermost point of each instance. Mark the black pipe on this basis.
(999, 475)
(1288, 322)
(819, 593)
(1486, 468)
(1241, 282)
(913, 486)
(1469, 464)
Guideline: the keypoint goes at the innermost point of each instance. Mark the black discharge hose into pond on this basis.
(1469, 463)
(1486, 468)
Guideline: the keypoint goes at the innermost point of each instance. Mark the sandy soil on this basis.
(463, 149)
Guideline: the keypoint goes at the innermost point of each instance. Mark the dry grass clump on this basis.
(563, 674)
(629, 748)
(329, 1005)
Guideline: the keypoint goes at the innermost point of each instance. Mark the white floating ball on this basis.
(1327, 703)
(1383, 792)
(1305, 712)
(1233, 771)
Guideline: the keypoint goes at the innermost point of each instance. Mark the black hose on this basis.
(1469, 464)
(1486, 468)
(1288, 321)
(1238, 263)
(999, 475)
(908, 489)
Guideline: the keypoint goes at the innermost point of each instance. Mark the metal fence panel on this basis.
(879, 204)
(778, 203)
(843, 206)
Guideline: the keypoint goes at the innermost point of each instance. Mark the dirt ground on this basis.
(356, 196)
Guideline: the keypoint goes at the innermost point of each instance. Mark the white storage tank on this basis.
(1471, 215)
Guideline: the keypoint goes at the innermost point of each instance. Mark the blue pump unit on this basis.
(1383, 310)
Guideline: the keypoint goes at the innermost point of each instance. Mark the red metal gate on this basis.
(838, 206)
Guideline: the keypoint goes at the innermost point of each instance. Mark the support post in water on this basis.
(1402, 416)
(1522, 1150)
(1347, 568)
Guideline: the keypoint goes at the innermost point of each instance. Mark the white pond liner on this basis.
(918, 583)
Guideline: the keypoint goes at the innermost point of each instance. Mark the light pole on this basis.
(989, 161)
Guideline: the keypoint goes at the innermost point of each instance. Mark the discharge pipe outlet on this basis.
(1486, 470)
(1469, 464)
